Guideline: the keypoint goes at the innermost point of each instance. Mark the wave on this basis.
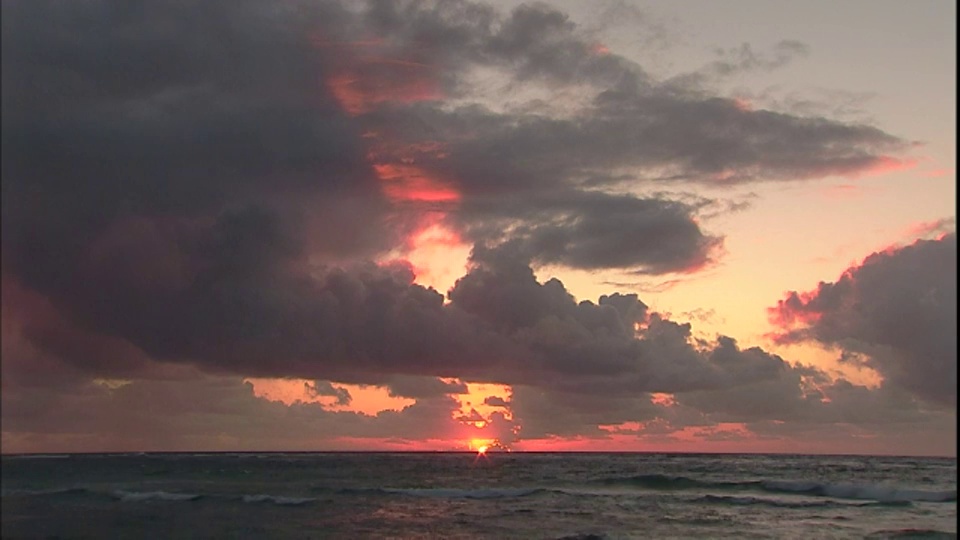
(138, 496)
(665, 482)
(872, 492)
(912, 533)
(778, 503)
(869, 492)
(278, 500)
(43, 492)
(38, 456)
(480, 493)
(142, 496)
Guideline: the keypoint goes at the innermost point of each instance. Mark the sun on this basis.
(481, 446)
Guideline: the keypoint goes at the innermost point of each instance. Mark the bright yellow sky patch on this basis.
(368, 400)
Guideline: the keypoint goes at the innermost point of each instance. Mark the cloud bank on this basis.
(216, 187)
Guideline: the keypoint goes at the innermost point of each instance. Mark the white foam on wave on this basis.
(137, 496)
(751, 501)
(282, 501)
(41, 492)
(38, 456)
(453, 493)
(868, 492)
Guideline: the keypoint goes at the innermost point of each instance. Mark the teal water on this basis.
(501, 495)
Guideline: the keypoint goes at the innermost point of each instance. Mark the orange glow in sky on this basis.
(663, 400)
(477, 394)
(438, 256)
(368, 400)
(482, 446)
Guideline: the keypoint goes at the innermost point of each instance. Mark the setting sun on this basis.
(481, 446)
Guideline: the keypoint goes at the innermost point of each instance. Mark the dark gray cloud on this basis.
(509, 166)
(739, 60)
(614, 347)
(534, 42)
(643, 134)
(326, 389)
(593, 230)
(359, 325)
(896, 312)
(496, 401)
(424, 387)
(153, 152)
(574, 367)
(371, 326)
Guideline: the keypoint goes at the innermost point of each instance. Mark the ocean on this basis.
(458, 495)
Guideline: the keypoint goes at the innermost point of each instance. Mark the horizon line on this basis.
(470, 452)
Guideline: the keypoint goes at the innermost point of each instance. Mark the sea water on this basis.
(460, 495)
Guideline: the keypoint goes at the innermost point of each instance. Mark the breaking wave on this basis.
(480, 493)
(278, 500)
(866, 492)
(780, 503)
(37, 456)
(911, 533)
(138, 496)
(863, 492)
(44, 492)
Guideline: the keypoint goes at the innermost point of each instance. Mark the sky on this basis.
(565, 226)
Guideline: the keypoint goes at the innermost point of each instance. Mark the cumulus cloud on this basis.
(896, 312)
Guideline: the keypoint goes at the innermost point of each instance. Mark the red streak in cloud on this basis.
(374, 72)
(793, 311)
(600, 49)
(321, 42)
(349, 97)
(843, 191)
(392, 61)
(381, 75)
(940, 228)
(886, 165)
(743, 104)
(368, 81)
(31, 317)
(410, 183)
(377, 81)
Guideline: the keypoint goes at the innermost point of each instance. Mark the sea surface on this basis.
(458, 495)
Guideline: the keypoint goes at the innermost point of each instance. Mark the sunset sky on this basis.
(618, 225)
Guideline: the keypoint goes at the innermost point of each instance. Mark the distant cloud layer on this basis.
(208, 184)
